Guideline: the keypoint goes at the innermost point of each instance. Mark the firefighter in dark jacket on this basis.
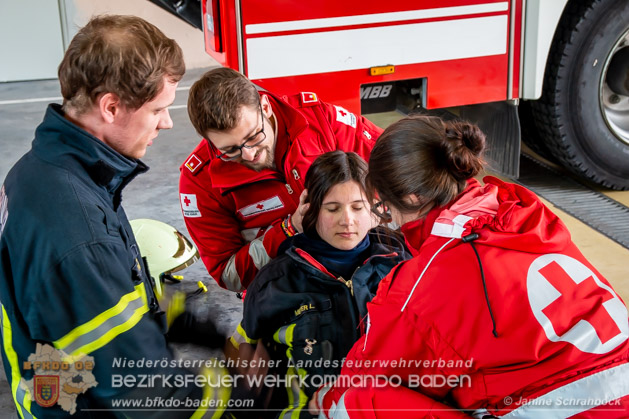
(307, 305)
(81, 327)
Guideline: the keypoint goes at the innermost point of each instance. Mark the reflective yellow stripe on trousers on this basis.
(103, 328)
(21, 395)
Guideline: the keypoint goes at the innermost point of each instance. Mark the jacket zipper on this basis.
(348, 284)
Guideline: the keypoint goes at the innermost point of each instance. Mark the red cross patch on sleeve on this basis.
(262, 206)
(189, 205)
(346, 117)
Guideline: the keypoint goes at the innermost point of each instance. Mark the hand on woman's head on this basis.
(298, 216)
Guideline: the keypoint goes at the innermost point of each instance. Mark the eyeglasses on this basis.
(251, 142)
(382, 211)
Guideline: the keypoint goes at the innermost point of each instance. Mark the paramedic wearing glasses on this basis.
(241, 188)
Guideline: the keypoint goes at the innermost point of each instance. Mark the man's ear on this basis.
(266, 106)
(108, 106)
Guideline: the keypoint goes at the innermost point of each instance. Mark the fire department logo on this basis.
(46, 390)
(57, 380)
(573, 305)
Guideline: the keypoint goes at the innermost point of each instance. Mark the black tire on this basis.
(570, 115)
(530, 134)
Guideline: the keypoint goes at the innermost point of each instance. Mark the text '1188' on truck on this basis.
(560, 66)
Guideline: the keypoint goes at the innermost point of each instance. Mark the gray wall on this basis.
(36, 32)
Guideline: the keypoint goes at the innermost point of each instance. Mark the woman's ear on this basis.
(411, 199)
(375, 221)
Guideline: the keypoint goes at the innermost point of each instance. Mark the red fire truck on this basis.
(563, 63)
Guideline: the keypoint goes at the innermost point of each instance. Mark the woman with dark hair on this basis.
(307, 305)
(498, 313)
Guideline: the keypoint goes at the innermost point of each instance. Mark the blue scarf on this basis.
(338, 262)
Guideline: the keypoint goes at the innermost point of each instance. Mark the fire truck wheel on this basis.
(583, 114)
(530, 134)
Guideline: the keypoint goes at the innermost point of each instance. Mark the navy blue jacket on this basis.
(308, 318)
(71, 275)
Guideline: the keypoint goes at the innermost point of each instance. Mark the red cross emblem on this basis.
(578, 301)
(260, 206)
(186, 201)
(573, 305)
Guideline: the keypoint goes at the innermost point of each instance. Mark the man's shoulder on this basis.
(54, 200)
(303, 100)
(309, 105)
(32, 178)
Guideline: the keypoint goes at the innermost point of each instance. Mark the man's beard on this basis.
(268, 163)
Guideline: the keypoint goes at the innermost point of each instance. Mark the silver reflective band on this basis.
(20, 395)
(594, 390)
(281, 335)
(339, 411)
(230, 276)
(108, 325)
(258, 253)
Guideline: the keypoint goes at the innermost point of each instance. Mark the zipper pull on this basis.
(296, 174)
(289, 189)
(348, 284)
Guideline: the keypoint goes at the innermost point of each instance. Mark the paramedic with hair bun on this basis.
(498, 314)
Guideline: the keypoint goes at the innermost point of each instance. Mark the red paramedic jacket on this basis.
(233, 213)
(560, 346)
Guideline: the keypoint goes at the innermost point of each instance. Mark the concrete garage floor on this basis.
(155, 195)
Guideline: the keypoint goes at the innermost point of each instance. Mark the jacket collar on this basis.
(62, 143)
(504, 214)
(299, 249)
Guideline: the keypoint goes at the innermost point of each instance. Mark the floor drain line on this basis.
(598, 211)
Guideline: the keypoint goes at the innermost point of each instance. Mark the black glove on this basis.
(189, 328)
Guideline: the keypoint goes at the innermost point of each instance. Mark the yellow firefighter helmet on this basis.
(166, 250)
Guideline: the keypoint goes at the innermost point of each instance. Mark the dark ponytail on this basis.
(426, 157)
